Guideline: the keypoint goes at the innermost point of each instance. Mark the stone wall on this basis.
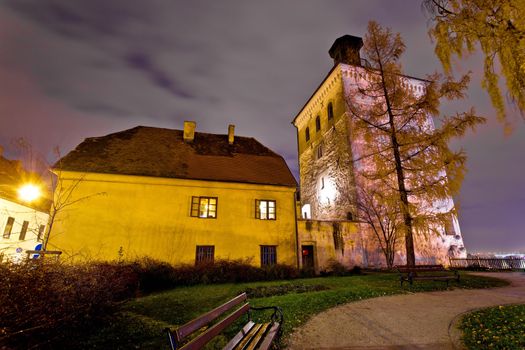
(354, 244)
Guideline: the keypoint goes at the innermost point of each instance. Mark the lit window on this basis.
(268, 255)
(40, 232)
(318, 123)
(204, 254)
(264, 209)
(204, 207)
(330, 110)
(307, 134)
(8, 227)
(23, 232)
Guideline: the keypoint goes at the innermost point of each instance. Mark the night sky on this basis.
(75, 69)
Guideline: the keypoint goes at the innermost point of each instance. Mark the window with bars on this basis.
(204, 207)
(265, 209)
(40, 232)
(8, 227)
(23, 232)
(204, 254)
(268, 255)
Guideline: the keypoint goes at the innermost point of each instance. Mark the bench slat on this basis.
(248, 337)
(190, 327)
(270, 336)
(239, 336)
(205, 337)
(256, 339)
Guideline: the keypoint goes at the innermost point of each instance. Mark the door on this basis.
(308, 256)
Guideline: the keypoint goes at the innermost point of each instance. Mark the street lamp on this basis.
(29, 192)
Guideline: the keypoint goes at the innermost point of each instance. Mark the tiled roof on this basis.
(158, 152)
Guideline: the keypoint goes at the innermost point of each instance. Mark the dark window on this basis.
(264, 209)
(449, 227)
(8, 227)
(204, 254)
(23, 232)
(307, 134)
(318, 123)
(330, 110)
(268, 255)
(204, 207)
(41, 232)
(319, 151)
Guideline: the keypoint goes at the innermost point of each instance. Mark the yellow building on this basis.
(177, 196)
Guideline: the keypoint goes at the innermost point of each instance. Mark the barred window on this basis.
(8, 227)
(265, 209)
(204, 254)
(268, 255)
(40, 232)
(307, 134)
(204, 207)
(23, 232)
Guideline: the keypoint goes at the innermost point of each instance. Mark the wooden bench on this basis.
(426, 272)
(252, 335)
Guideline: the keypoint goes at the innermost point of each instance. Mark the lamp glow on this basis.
(29, 192)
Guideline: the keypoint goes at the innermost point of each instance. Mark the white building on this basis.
(22, 222)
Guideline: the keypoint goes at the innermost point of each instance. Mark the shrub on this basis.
(44, 301)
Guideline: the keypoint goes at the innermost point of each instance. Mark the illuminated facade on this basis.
(24, 213)
(176, 195)
(328, 150)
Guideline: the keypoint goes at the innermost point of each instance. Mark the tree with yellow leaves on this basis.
(402, 154)
(498, 27)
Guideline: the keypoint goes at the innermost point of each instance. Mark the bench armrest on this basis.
(277, 315)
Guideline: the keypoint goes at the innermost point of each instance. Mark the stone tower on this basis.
(328, 150)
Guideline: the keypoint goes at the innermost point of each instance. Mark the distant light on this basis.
(29, 192)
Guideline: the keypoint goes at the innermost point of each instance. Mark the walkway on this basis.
(411, 321)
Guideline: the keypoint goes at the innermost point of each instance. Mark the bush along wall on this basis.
(43, 302)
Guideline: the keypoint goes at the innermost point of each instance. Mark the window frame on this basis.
(23, 231)
(41, 230)
(319, 151)
(330, 111)
(318, 123)
(196, 203)
(307, 134)
(258, 209)
(8, 228)
(268, 255)
(204, 254)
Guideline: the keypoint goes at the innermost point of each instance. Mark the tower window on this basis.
(318, 123)
(319, 151)
(330, 110)
(307, 134)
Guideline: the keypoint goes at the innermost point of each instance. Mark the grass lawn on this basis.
(500, 327)
(141, 321)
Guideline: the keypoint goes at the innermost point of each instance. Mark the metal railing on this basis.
(489, 263)
(40, 254)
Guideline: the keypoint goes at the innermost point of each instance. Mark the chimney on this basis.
(231, 129)
(346, 50)
(189, 131)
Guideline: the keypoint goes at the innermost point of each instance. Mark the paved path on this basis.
(411, 321)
